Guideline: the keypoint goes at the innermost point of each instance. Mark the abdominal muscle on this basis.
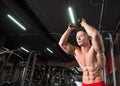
(92, 74)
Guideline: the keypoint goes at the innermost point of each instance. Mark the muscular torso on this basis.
(92, 65)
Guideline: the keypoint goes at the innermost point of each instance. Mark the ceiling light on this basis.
(24, 49)
(16, 22)
(71, 15)
(49, 50)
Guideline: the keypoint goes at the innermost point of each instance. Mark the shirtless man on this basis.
(90, 56)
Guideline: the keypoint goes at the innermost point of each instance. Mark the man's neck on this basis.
(85, 48)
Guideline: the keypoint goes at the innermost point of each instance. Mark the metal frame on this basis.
(112, 56)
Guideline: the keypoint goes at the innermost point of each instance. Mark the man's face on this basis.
(82, 38)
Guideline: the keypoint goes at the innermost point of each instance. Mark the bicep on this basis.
(68, 48)
(97, 43)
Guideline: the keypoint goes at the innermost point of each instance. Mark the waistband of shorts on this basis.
(94, 83)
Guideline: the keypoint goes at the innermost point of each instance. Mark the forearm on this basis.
(91, 31)
(97, 40)
(64, 38)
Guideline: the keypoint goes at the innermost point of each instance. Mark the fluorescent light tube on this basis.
(49, 50)
(71, 15)
(24, 49)
(16, 22)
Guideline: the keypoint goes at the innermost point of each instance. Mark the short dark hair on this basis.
(81, 29)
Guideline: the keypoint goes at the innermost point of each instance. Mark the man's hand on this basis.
(73, 26)
(83, 22)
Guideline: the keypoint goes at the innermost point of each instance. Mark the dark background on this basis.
(46, 20)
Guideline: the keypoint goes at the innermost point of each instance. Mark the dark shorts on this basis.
(102, 83)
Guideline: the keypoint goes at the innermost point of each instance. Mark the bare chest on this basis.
(87, 59)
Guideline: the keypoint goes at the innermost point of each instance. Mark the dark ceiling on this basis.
(46, 20)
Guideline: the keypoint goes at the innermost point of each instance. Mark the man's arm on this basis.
(97, 41)
(63, 42)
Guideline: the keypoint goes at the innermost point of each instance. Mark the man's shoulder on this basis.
(77, 48)
(77, 51)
